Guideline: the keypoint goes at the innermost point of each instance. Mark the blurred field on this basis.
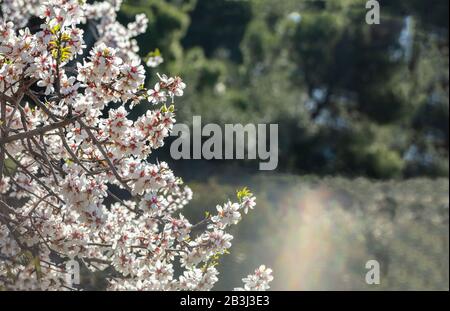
(318, 233)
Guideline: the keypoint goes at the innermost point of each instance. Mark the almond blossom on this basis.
(75, 181)
(259, 281)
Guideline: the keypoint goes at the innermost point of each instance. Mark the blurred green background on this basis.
(364, 132)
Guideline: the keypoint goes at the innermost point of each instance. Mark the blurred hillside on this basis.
(351, 99)
(318, 233)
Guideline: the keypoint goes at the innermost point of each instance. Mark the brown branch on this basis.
(3, 133)
(30, 192)
(38, 131)
(105, 155)
(27, 172)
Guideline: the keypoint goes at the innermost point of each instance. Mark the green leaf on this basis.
(243, 193)
(55, 29)
(37, 266)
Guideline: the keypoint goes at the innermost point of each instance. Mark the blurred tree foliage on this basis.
(350, 98)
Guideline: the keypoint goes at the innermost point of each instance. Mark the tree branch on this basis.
(38, 131)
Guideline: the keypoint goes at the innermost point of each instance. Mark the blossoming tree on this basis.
(62, 154)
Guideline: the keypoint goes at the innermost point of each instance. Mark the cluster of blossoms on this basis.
(67, 160)
(258, 281)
